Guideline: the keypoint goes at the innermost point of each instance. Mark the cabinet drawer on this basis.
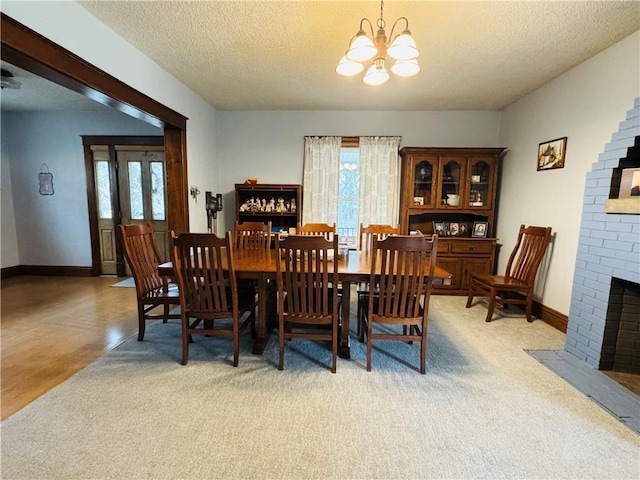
(471, 247)
(443, 247)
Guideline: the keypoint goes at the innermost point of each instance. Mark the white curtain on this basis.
(320, 179)
(379, 180)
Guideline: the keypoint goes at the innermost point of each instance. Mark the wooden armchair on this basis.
(252, 235)
(406, 265)
(210, 301)
(307, 303)
(517, 284)
(152, 291)
(324, 229)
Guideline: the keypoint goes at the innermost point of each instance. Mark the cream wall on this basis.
(71, 26)
(270, 145)
(585, 105)
(8, 237)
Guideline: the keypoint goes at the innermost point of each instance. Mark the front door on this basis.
(130, 188)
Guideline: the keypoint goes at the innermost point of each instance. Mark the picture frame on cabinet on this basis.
(480, 229)
(418, 200)
(438, 229)
(551, 154)
(463, 230)
(454, 229)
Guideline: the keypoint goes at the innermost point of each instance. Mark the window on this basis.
(348, 195)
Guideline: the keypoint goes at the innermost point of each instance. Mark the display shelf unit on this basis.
(452, 186)
(281, 217)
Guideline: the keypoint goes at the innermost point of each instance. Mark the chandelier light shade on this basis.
(364, 48)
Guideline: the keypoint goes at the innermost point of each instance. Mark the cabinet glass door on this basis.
(452, 174)
(480, 183)
(423, 183)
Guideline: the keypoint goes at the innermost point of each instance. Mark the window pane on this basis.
(135, 191)
(157, 191)
(349, 193)
(104, 189)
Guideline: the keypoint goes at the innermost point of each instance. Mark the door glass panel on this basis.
(348, 195)
(157, 191)
(135, 191)
(451, 182)
(480, 173)
(423, 183)
(103, 181)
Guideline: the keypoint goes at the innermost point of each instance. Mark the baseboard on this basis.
(552, 317)
(46, 271)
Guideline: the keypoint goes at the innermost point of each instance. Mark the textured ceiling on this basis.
(274, 55)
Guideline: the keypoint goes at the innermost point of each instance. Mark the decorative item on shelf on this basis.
(453, 199)
(454, 229)
(475, 199)
(629, 183)
(551, 154)
(464, 230)
(363, 48)
(418, 200)
(438, 228)
(475, 178)
(480, 229)
(251, 181)
(45, 179)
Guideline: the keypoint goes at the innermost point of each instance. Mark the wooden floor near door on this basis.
(52, 327)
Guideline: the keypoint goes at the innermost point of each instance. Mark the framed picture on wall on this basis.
(551, 154)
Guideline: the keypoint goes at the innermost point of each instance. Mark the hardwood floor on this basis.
(52, 327)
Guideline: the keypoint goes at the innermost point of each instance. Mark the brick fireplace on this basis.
(603, 329)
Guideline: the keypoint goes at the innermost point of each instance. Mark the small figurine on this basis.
(293, 205)
(272, 205)
(280, 207)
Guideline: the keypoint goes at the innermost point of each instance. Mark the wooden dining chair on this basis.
(371, 231)
(155, 296)
(307, 304)
(365, 244)
(252, 235)
(406, 265)
(324, 229)
(210, 301)
(516, 286)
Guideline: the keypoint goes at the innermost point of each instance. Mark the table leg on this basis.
(263, 326)
(344, 346)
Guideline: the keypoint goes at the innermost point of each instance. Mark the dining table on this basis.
(260, 265)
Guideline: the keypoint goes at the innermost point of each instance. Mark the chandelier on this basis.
(363, 48)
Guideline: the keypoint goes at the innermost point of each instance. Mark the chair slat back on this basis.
(305, 276)
(402, 262)
(252, 235)
(528, 253)
(143, 256)
(371, 231)
(315, 229)
(199, 260)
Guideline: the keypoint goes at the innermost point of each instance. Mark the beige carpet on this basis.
(485, 409)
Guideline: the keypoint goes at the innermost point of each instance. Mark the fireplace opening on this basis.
(621, 342)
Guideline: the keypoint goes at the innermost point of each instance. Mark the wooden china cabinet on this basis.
(455, 188)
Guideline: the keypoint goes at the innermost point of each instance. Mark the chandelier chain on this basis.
(381, 23)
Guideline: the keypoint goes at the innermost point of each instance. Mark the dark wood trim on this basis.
(9, 272)
(93, 210)
(67, 69)
(552, 317)
(144, 140)
(31, 51)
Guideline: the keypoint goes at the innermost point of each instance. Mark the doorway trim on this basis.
(31, 51)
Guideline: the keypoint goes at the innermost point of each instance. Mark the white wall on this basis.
(74, 28)
(586, 105)
(54, 229)
(270, 145)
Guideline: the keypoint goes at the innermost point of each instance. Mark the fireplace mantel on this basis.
(623, 205)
